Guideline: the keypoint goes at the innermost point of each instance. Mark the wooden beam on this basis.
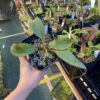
(69, 82)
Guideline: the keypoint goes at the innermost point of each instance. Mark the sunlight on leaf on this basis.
(60, 43)
(22, 49)
(37, 27)
(69, 58)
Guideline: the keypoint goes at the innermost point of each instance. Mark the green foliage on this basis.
(37, 27)
(23, 18)
(3, 91)
(62, 46)
(98, 33)
(61, 91)
(73, 34)
(60, 43)
(97, 46)
(69, 58)
(22, 49)
(91, 47)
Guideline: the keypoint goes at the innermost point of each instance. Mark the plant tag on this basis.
(30, 1)
(63, 22)
(42, 1)
(93, 3)
(45, 2)
(56, 1)
(67, 8)
(64, 2)
(50, 15)
(46, 29)
(73, 15)
(77, 5)
(69, 35)
(81, 18)
(58, 7)
(58, 19)
(96, 53)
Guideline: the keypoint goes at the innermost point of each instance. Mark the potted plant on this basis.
(44, 54)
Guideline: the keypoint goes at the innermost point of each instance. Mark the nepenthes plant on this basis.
(44, 53)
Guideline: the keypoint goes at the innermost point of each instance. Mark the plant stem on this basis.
(45, 51)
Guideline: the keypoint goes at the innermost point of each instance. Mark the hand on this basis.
(29, 79)
(29, 76)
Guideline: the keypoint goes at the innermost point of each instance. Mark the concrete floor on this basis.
(11, 63)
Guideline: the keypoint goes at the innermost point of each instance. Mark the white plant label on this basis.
(50, 14)
(96, 53)
(93, 3)
(62, 24)
(46, 28)
(73, 15)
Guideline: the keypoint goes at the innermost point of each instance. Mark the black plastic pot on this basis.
(91, 66)
(35, 58)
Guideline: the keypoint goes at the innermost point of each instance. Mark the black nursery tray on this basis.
(89, 84)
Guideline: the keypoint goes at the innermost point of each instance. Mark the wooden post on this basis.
(98, 3)
(37, 2)
(69, 82)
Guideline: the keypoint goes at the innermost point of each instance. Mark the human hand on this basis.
(29, 76)
(29, 79)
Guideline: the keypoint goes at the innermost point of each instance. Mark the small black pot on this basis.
(36, 58)
(92, 65)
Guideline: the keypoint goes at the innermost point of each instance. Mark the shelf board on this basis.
(21, 3)
(28, 31)
(69, 82)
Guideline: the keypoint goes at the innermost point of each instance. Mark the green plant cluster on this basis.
(3, 91)
(61, 91)
(60, 46)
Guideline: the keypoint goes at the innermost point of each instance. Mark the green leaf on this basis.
(80, 31)
(37, 27)
(22, 49)
(97, 46)
(90, 44)
(60, 43)
(61, 90)
(98, 33)
(69, 58)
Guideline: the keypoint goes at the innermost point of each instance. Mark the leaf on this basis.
(80, 31)
(98, 33)
(89, 17)
(37, 27)
(64, 31)
(60, 43)
(90, 44)
(97, 46)
(61, 90)
(22, 49)
(69, 58)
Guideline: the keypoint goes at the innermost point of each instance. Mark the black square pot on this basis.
(34, 58)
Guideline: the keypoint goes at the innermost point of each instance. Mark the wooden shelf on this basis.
(69, 82)
(18, 3)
